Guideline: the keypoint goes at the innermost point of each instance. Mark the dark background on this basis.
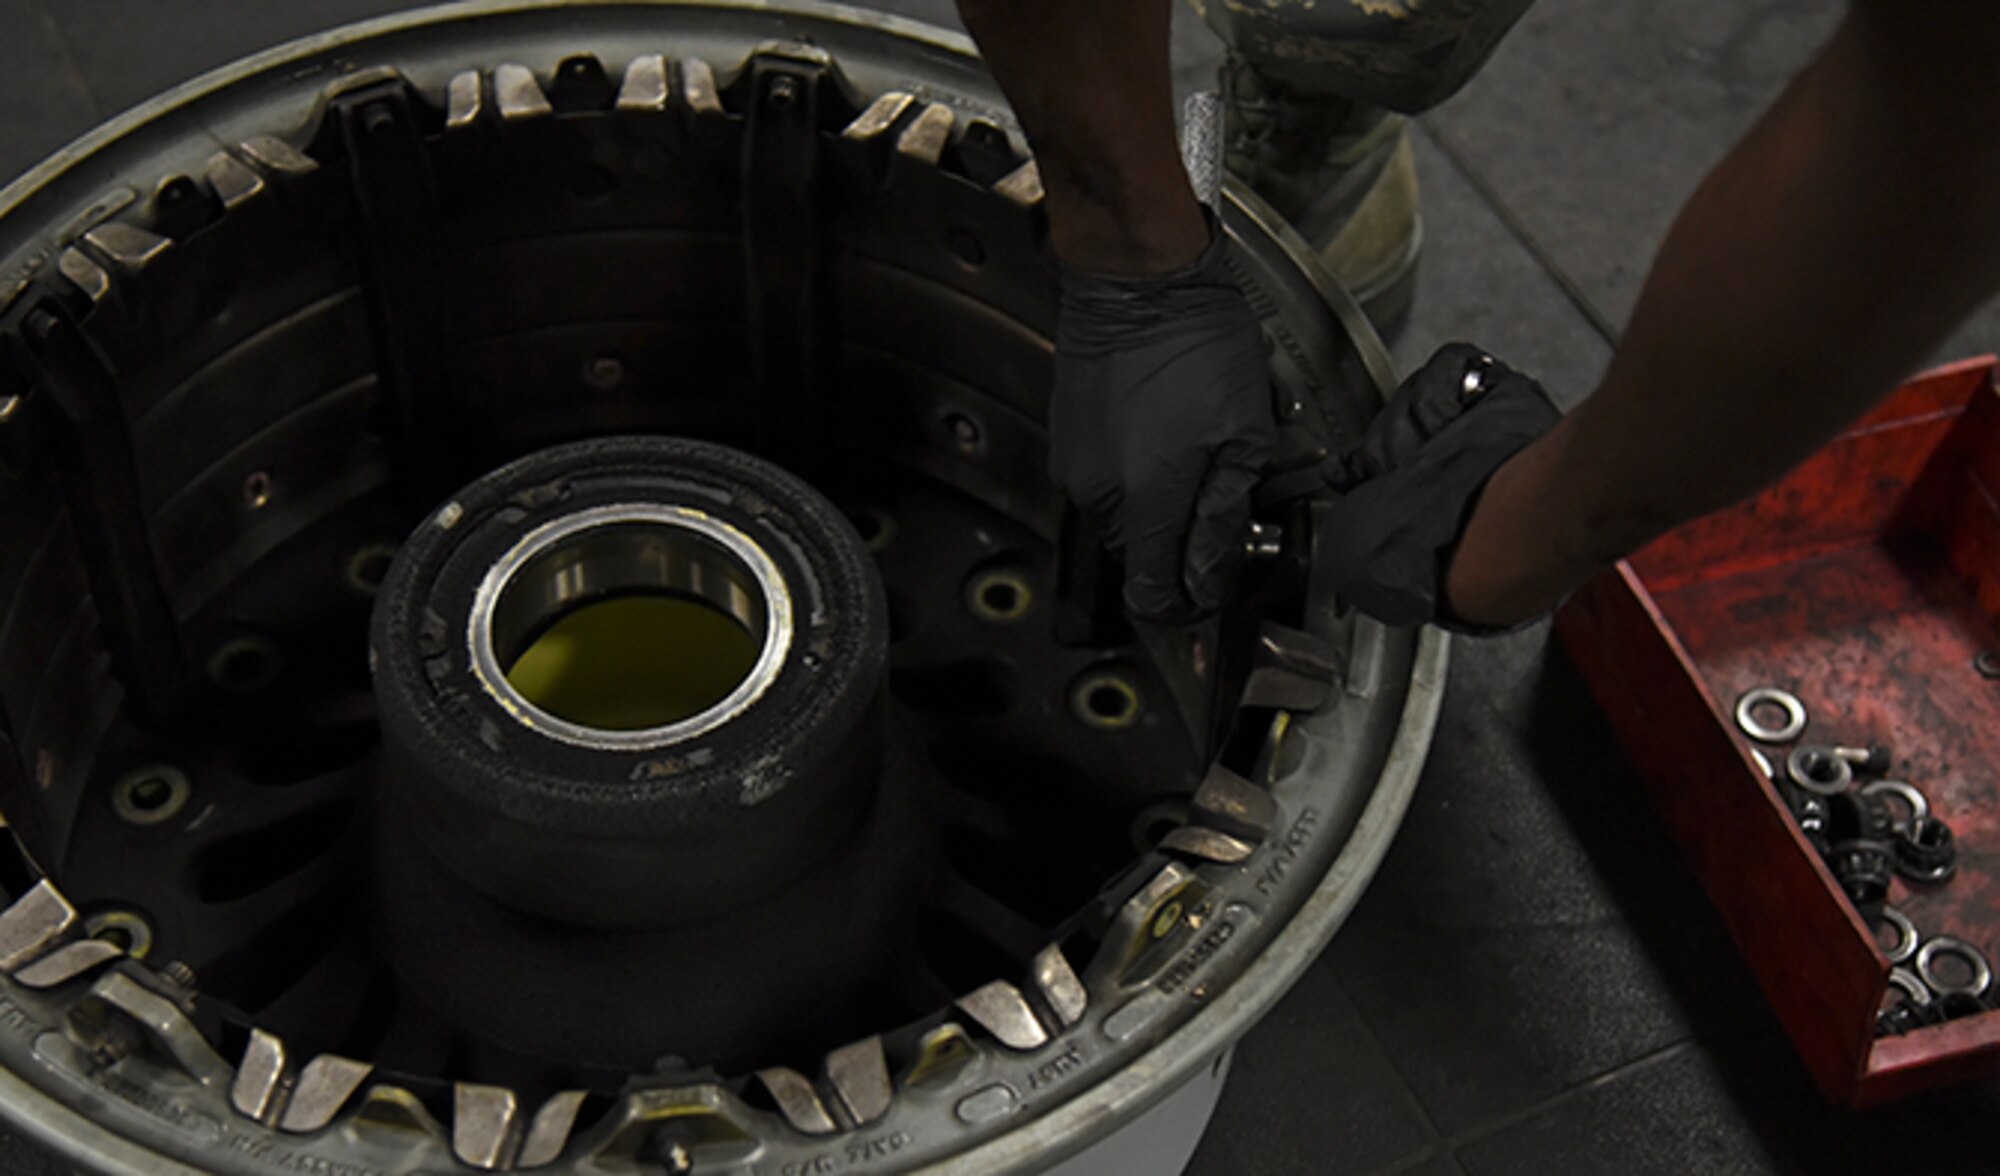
(1534, 984)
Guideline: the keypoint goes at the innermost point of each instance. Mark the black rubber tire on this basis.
(632, 838)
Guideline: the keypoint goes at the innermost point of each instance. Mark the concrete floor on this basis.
(1534, 984)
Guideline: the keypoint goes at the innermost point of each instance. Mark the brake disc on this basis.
(474, 320)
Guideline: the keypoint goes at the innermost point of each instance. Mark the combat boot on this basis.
(1343, 174)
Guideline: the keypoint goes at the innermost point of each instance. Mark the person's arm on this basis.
(1091, 83)
(1832, 250)
(1160, 418)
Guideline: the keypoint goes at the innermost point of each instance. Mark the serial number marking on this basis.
(193, 1122)
(1056, 1069)
(1195, 958)
(859, 1153)
(266, 1152)
(1287, 852)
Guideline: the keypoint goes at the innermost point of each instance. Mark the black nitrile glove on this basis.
(1409, 487)
(1159, 425)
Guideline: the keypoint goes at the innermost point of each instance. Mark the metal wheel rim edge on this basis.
(120, 125)
(1125, 1095)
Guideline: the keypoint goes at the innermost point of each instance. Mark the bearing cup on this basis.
(623, 824)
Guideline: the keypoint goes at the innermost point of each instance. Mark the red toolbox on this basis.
(1868, 584)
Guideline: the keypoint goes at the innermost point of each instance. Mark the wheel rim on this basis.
(1079, 1030)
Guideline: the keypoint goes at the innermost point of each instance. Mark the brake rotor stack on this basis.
(405, 321)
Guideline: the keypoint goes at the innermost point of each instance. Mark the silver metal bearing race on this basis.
(1105, 1056)
(610, 566)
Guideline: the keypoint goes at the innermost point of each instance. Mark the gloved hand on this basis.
(1160, 424)
(1410, 487)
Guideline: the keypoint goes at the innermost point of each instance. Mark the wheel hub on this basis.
(640, 823)
(661, 864)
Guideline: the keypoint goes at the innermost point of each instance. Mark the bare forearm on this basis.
(1091, 84)
(1821, 260)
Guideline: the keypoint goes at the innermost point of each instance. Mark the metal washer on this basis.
(1915, 992)
(1795, 714)
(1906, 937)
(1798, 766)
(1982, 972)
(1919, 804)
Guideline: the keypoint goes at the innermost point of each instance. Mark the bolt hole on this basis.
(874, 526)
(999, 595)
(604, 372)
(369, 566)
(175, 192)
(257, 490)
(124, 929)
(965, 432)
(1106, 701)
(150, 795)
(245, 664)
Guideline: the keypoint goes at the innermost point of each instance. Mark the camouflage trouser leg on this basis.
(1406, 55)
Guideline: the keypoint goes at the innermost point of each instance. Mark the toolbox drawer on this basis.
(1867, 582)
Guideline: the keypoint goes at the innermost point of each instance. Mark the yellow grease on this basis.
(633, 662)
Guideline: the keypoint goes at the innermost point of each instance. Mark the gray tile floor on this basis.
(1534, 984)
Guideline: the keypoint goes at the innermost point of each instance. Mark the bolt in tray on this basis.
(1867, 582)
